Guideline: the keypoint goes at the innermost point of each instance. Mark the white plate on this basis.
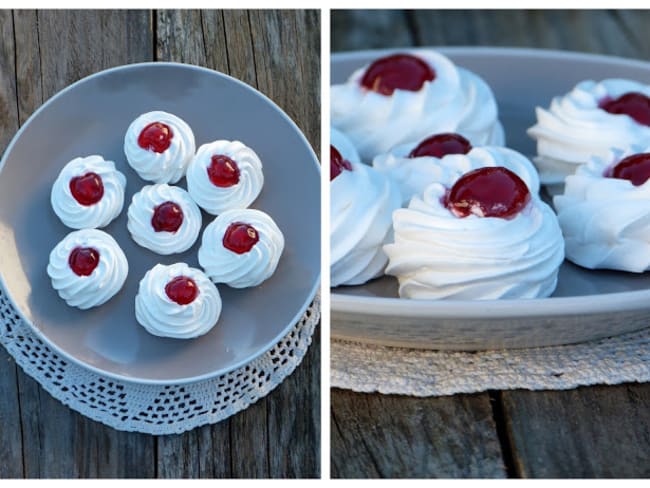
(586, 305)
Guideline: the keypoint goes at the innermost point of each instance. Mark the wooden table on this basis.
(597, 431)
(43, 52)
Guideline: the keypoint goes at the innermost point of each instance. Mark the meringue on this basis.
(163, 317)
(216, 199)
(74, 214)
(141, 212)
(246, 269)
(606, 221)
(574, 128)
(414, 175)
(168, 166)
(456, 100)
(439, 256)
(105, 280)
(361, 207)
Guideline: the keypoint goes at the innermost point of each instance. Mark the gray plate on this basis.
(586, 305)
(91, 117)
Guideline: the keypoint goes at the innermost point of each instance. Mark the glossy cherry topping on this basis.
(156, 137)
(223, 171)
(182, 290)
(167, 216)
(440, 145)
(83, 260)
(634, 104)
(240, 237)
(337, 163)
(635, 168)
(488, 192)
(399, 71)
(87, 189)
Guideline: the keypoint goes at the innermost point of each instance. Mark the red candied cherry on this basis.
(83, 260)
(182, 290)
(167, 216)
(635, 168)
(156, 137)
(634, 104)
(87, 189)
(441, 145)
(488, 192)
(337, 163)
(223, 171)
(240, 237)
(399, 71)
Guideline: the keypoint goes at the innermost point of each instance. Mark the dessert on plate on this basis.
(159, 146)
(409, 95)
(87, 268)
(444, 158)
(487, 236)
(241, 248)
(177, 301)
(164, 219)
(88, 193)
(605, 211)
(361, 207)
(588, 121)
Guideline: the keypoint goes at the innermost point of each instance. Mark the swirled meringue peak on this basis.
(439, 254)
(361, 206)
(241, 248)
(224, 175)
(605, 212)
(159, 146)
(88, 193)
(164, 219)
(409, 104)
(441, 159)
(177, 301)
(588, 121)
(87, 268)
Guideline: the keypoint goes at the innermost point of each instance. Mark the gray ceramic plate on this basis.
(586, 305)
(91, 117)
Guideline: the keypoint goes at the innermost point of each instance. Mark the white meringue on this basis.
(214, 199)
(78, 216)
(141, 212)
(574, 128)
(249, 268)
(170, 165)
(161, 316)
(456, 100)
(102, 283)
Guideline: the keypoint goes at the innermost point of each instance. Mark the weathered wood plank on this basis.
(370, 29)
(589, 432)
(390, 436)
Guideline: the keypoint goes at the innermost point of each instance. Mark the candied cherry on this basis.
(156, 137)
(83, 260)
(634, 104)
(635, 168)
(87, 189)
(441, 145)
(182, 290)
(488, 192)
(240, 237)
(337, 163)
(167, 216)
(399, 71)
(223, 171)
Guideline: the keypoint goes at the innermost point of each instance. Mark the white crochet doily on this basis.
(154, 409)
(416, 372)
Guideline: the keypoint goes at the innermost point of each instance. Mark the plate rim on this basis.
(175, 381)
(506, 308)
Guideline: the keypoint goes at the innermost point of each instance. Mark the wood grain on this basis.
(390, 436)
